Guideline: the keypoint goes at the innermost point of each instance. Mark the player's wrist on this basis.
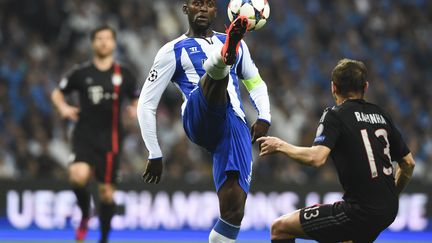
(62, 107)
(155, 159)
(264, 121)
(283, 147)
(265, 118)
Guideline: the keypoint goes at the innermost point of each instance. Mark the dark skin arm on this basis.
(153, 171)
(259, 129)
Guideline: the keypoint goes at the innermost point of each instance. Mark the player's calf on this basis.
(106, 210)
(232, 200)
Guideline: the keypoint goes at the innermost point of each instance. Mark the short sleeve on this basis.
(70, 81)
(328, 129)
(398, 147)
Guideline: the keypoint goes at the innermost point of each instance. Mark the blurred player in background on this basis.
(362, 141)
(207, 67)
(102, 85)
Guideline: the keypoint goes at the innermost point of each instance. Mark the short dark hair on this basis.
(101, 28)
(349, 76)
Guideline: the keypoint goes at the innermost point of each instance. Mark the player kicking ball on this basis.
(207, 67)
(362, 141)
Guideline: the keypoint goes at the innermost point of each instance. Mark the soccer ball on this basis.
(257, 12)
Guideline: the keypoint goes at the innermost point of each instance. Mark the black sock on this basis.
(83, 199)
(106, 212)
(283, 241)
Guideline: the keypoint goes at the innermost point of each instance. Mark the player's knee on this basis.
(106, 194)
(276, 228)
(79, 174)
(77, 180)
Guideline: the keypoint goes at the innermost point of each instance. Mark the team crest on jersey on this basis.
(117, 79)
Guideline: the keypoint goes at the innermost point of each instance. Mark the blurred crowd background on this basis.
(295, 52)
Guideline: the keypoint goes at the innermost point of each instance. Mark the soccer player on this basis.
(207, 67)
(102, 85)
(362, 140)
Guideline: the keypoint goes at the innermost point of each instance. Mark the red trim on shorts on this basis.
(109, 165)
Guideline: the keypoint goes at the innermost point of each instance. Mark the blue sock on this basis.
(226, 229)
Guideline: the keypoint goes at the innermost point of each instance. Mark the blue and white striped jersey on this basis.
(181, 62)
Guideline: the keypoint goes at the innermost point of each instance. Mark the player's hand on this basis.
(270, 145)
(259, 129)
(132, 111)
(153, 171)
(69, 112)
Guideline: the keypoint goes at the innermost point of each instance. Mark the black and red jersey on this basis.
(101, 94)
(363, 142)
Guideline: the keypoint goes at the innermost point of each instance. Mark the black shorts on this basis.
(342, 221)
(105, 164)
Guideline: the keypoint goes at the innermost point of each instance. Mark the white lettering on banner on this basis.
(196, 210)
(411, 215)
(332, 197)
(44, 209)
(20, 219)
(63, 210)
(118, 221)
(312, 198)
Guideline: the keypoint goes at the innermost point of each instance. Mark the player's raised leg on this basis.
(232, 199)
(106, 209)
(79, 175)
(217, 66)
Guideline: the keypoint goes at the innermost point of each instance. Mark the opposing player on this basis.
(102, 85)
(207, 67)
(362, 141)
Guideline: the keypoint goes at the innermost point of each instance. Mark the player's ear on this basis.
(333, 88)
(366, 87)
(185, 9)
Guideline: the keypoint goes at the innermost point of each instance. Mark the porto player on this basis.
(208, 68)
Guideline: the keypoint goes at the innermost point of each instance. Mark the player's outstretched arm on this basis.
(66, 111)
(404, 172)
(314, 156)
(159, 77)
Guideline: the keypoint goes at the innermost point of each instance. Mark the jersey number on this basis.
(369, 152)
(308, 214)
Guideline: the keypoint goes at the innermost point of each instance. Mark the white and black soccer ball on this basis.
(257, 12)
